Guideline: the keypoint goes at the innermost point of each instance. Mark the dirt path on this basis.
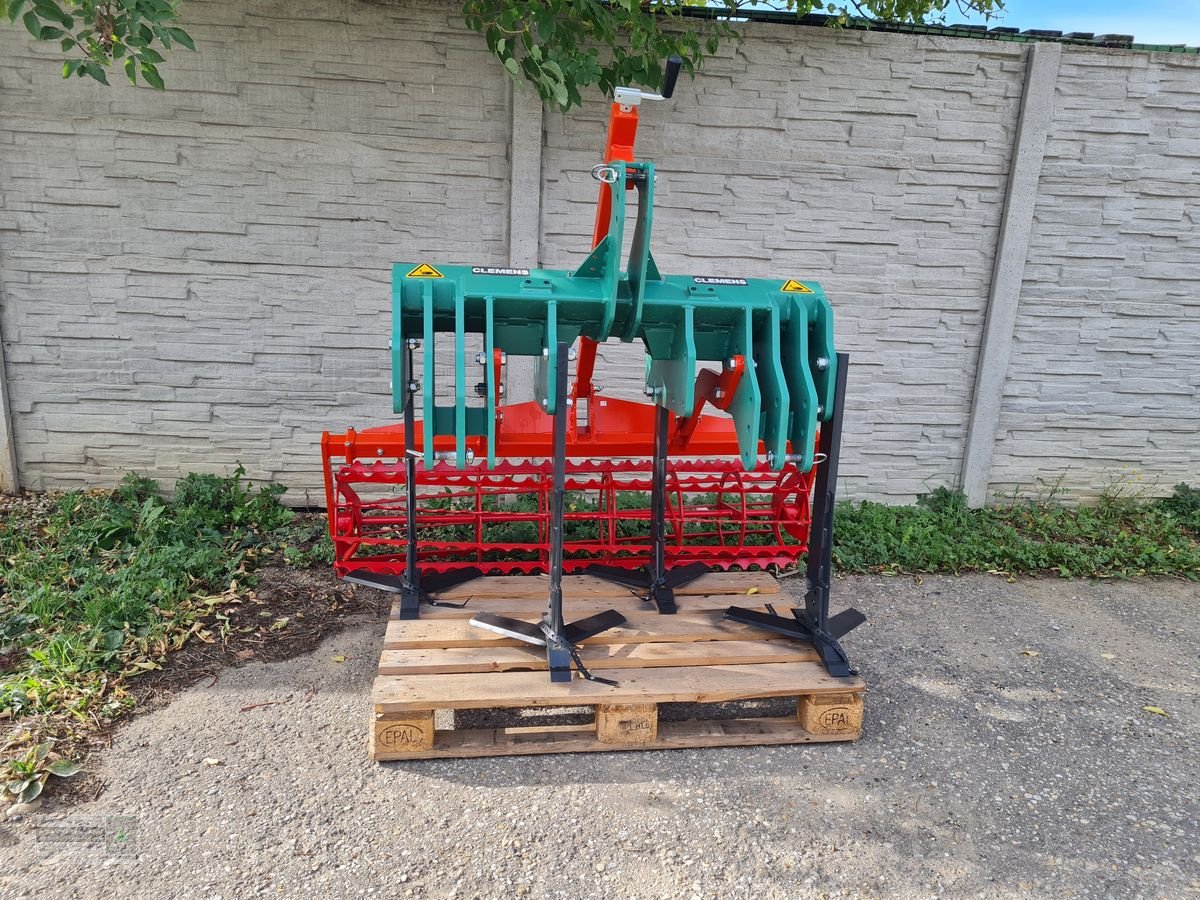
(983, 771)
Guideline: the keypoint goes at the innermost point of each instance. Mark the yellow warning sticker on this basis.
(791, 286)
(425, 270)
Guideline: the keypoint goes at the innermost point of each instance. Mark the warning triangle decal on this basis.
(791, 286)
(425, 270)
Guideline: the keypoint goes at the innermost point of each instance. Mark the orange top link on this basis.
(622, 133)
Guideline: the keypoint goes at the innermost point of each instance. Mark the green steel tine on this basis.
(798, 369)
(460, 381)
(551, 358)
(429, 426)
(675, 378)
(820, 346)
(768, 366)
(489, 379)
(747, 400)
(399, 351)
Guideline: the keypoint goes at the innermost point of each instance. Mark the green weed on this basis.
(1121, 536)
(100, 585)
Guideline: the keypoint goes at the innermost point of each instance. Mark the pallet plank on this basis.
(609, 656)
(671, 735)
(515, 587)
(642, 627)
(694, 684)
(575, 607)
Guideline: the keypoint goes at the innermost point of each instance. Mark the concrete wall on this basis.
(1104, 382)
(199, 277)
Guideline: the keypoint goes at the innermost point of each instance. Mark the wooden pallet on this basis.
(442, 662)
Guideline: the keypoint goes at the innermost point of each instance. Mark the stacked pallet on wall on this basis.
(719, 671)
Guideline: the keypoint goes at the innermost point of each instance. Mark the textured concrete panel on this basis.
(1104, 382)
(201, 276)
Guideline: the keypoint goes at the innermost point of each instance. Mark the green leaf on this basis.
(15, 787)
(512, 66)
(150, 73)
(94, 70)
(150, 55)
(47, 9)
(32, 23)
(64, 768)
(131, 69)
(31, 792)
(50, 33)
(14, 9)
(179, 36)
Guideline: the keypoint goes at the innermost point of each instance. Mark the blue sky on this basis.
(1150, 22)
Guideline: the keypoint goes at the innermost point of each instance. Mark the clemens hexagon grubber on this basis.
(559, 484)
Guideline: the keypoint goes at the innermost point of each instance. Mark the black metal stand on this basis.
(656, 579)
(813, 623)
(558, 637)
(411, 587)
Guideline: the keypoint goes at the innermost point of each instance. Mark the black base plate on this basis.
(825, 641)
(532, 633)
(662, 592)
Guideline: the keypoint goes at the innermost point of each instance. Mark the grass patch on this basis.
(1119, 537)
(97, 587)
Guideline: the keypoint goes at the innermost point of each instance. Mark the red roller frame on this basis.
(717, 512)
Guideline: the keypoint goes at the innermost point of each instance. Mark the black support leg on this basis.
(656, 579)
(411, 587)
(552, 632)
(813, 623)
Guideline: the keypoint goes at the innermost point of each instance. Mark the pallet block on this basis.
(441, 662)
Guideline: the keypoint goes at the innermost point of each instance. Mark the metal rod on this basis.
(820, 544)
(558, 491)
(412, 574)
(410, 585)
(658, 497)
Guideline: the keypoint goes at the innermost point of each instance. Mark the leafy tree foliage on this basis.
(565, 46)
(95, 34)
(562, 47)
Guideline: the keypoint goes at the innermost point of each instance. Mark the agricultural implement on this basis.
(646, 494)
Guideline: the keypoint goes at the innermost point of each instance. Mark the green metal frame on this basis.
(786, 337)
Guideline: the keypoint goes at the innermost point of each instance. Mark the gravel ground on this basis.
(1006, 751)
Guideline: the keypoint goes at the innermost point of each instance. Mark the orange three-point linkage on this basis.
(622, 133)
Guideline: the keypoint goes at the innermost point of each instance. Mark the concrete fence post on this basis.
(10, 480)
(524, 214)
(1012, 249)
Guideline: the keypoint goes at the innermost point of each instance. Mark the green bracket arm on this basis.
(639, 251)
(604, 262)
(776, 399)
